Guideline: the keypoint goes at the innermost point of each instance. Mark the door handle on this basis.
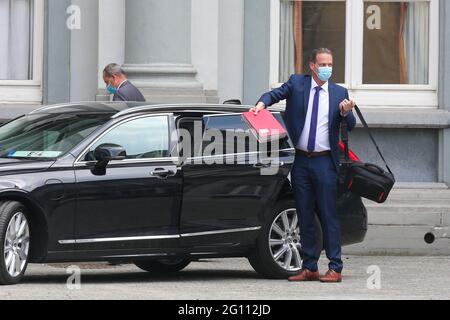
(262, 165)
(268, 165)
(162, 173)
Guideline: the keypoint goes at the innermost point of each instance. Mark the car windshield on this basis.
(46, 136)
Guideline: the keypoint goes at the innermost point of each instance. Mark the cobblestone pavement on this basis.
(400, 278)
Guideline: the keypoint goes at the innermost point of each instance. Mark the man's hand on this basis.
(346, 106)
(260, 106)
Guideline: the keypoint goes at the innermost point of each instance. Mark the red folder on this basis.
(265, 126)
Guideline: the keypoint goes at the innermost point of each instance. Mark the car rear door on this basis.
(227, 190)
(135, 205)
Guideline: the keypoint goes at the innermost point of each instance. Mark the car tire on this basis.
(163, 266)
(14, 242)
(263, 256)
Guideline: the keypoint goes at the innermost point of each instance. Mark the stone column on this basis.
(444, 94)
(111, 39)
(158, 50)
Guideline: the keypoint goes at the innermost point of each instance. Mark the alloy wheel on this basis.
(17, 245)
(284, 241)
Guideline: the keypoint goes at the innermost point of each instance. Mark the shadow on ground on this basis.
(120, 276)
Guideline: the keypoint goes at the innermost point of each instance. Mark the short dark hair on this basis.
(316, 52)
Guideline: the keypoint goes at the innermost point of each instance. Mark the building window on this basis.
(306, 25)
(396, 42)
(16, 27)
(21, 50)
(388, 47)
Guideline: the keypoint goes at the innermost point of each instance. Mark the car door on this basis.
(228, 190)
(135, 205)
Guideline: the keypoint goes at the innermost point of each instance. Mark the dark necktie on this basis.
(314, 119)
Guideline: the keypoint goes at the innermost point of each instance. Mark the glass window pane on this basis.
(396, 42)
(16, 21)
(142, 138)
(236, 134)
(307, 25)
(46, 135)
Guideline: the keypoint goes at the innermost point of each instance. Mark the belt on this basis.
(312, 154)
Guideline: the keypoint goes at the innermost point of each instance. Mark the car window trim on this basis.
(239, 154)
(207, 117)
(234, 114)
(78, 161)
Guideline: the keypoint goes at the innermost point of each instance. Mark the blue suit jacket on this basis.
(296, 93)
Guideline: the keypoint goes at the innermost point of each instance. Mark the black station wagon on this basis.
(109, 182)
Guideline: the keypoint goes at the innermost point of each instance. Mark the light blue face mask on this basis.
(111, 89)
(325, 73)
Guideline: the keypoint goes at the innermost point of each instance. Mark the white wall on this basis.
(84, 53)
(111, 35)
(231, 49)
(205, 42)
(218, 46)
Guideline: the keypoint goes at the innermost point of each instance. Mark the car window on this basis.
(143, 138)
(43, 136)
(236, 136)
(190, 126)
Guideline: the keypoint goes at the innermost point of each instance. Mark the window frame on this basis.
(29, 91)
(369, 95)
(206, 120)
(80, 159)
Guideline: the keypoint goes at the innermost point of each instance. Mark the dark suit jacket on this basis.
(296, 93)
(128, 92)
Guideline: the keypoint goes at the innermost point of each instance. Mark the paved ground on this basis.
(401, 277)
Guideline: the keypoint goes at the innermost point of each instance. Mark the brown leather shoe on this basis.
(305, 275)
(331, 277)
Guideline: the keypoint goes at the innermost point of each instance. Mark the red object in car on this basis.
(351, 154)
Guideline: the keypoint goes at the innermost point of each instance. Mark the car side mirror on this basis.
(109, 152)
(106, 153)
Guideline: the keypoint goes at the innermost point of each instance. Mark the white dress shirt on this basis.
(323, 133)
(121, 84)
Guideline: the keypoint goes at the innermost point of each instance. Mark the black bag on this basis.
(365, 179)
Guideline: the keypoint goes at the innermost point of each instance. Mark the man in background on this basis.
(118, 84)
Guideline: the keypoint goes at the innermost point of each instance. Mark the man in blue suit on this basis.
(315, 108)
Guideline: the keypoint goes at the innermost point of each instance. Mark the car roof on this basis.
(88, 107)
(117, 109)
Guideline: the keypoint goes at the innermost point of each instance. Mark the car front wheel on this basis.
(278, 251)
(15, 242)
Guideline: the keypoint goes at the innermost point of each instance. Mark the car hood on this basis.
(11, 166)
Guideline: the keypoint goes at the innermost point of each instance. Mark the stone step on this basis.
(178, 99)
(399, 209)
(172, 91)
(426, 218)
(398, 226)
(421, 185)
(409, 203)
(399, 240)
(436, 194)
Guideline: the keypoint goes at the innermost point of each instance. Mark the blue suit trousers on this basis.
(315, 186)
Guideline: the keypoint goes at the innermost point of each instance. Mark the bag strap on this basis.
(344, 138)
(366, 126)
